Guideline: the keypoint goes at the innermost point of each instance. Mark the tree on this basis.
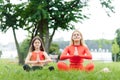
(43, 17)
(54, 49)
(107, 4)
(1, 1)
(118, 40)
(0, 53)
(115, 49)
(118, 36)
(46, 16)
(24, 48)
(10, 18)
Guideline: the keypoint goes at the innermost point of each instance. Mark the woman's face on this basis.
(37, 44)
(76, 36)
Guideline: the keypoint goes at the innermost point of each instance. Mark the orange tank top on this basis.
(34, 56)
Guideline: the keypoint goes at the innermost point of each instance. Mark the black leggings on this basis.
(33, 68)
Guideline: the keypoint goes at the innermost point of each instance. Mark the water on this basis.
(98, 56)
(9, 54)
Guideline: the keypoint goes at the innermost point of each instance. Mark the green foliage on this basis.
(46, 16)
(24, 47)
(115, 47)
(36, 10)
(42, 17)
(118, 36)
(107, 4)
(0, 53)
(1, 1)
(115, 50)
(54, 49)
(10, 16)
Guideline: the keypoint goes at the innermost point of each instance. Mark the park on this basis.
(54, 21)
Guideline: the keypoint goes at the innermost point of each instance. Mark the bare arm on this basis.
(47, 58)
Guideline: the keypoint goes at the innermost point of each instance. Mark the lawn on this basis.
(12, 71)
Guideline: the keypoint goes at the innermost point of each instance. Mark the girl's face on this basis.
(37, 44)
(76, 36)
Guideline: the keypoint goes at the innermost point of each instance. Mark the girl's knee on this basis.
(26, 67)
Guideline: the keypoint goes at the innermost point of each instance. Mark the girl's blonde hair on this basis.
(32, 44)
(81, 40)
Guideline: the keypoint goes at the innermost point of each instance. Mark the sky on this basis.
(98, 26)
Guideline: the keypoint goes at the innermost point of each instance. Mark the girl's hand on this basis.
(48, 61)
(37, 61)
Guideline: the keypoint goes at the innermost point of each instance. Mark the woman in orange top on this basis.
(76, 52)
(37, 57)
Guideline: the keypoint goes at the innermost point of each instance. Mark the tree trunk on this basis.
(20, 58)
(46, 37)
(49, 39)
(115, 57)
(45, 34)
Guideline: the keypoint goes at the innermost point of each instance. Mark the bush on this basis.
(54, 49)
(24, 47)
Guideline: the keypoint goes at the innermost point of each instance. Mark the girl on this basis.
(37, 57)
(76, 52)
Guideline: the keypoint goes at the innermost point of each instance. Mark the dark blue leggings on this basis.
(26, 67)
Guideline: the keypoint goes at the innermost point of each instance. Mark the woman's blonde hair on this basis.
(32, 44)
(81, 40)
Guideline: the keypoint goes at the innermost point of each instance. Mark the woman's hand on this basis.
(76, 52)
(76, 57)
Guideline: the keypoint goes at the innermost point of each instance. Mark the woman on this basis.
(37, 57)
(76, 52)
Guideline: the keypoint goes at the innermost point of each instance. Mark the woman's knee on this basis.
(90, 67)
(62, 66)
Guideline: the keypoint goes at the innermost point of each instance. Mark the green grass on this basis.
(12, 71)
